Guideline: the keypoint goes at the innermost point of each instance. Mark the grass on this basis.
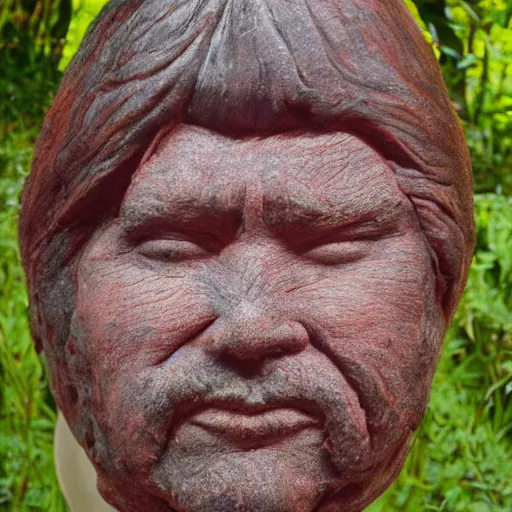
(27, 409)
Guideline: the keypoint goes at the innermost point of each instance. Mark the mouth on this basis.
(251, 426)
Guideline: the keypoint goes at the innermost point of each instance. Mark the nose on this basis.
(252, 333)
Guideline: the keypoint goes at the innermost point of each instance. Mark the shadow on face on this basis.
(259, 327)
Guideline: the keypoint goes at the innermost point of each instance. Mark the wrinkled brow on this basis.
(187, 209)
(304, 215)
(321, 183)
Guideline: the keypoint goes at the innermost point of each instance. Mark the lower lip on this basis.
(244, 429)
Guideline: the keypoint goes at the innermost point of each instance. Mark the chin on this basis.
(270, 479)
(280, 478)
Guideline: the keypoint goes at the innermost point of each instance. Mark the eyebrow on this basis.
(296, 226)
(305, 220)
(184, 213)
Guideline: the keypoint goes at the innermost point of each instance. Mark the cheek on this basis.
(134, 317)
(390, 287)
(380, 317)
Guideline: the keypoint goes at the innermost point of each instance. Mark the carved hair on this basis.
(242, 68)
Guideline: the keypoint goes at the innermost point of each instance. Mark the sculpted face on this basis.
(252, 321)
(247, 226)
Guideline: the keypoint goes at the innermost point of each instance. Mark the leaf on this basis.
(467, 61)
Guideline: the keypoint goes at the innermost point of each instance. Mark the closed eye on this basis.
(338, 252)
(171, 250)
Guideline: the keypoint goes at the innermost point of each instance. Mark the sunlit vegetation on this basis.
(462, 456)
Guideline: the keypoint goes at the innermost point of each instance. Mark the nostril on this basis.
(246, 368)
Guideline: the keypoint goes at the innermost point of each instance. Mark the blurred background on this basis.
(462, 455)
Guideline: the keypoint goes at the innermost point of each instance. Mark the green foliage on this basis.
(484, 318)
(32, 36)
(461, 458)
(84, 12)
(475, 40)
(27, 409)
(33, 32)
(413, 8)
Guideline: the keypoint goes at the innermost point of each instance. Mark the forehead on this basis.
(316, 173)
